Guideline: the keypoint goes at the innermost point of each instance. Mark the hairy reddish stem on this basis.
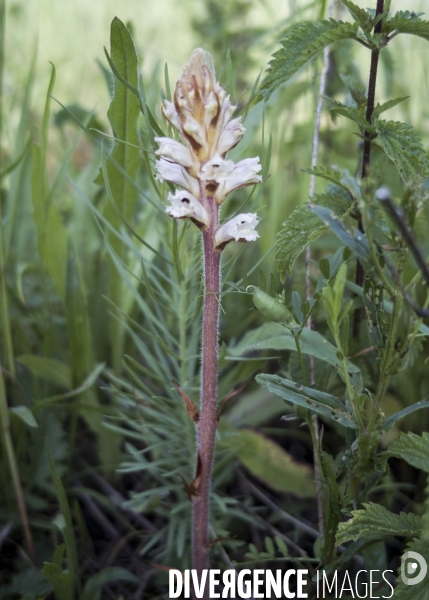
(208, 415)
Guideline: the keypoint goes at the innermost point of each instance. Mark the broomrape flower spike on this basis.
(201, 112)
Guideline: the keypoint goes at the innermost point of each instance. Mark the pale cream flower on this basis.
(229, 176)
(175, 151)
(183, 205)
(240, 228)
(230, 135)
(174, 173)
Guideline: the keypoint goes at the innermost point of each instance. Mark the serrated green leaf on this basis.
(357, 115)
(272, 464)
(303, 227)
(360, 15)
(335, 176)
(374, 522)
(321, 403)
(272, 336)
(381, 108)
(356, 89)
(412, 448)
(302, 43)
(403, 146)
(405, 21)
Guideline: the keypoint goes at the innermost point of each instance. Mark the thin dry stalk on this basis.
(314, 160)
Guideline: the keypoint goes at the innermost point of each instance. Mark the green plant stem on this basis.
(13, 466)
(349, 386)
(207, 424)
(300, 357)
(366, 159)
(387, 359)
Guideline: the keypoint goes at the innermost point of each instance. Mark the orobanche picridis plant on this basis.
(202, 115)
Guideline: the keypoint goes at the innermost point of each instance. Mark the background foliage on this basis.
(100, 297)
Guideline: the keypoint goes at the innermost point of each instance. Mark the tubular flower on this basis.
(175, 173)
(183, 205)
(241, 229)
(201, 112)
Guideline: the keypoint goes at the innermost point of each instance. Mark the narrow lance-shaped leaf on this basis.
(123, 116)
(358, 245)
(390, 421)
(321, 403)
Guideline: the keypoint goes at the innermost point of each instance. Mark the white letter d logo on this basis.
(410, 563)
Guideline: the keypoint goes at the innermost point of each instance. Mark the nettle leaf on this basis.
(360, 15)
(321, 403)
(302, 43)
(356, 89)
(273, 336)
(354, 114)
(303, 227)
(335, 176)
(374, 522)
(412, 448)
(381, 108)
(403, 146)
(272, 464)
(405, 21)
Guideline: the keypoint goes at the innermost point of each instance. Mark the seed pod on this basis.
(270, 307)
